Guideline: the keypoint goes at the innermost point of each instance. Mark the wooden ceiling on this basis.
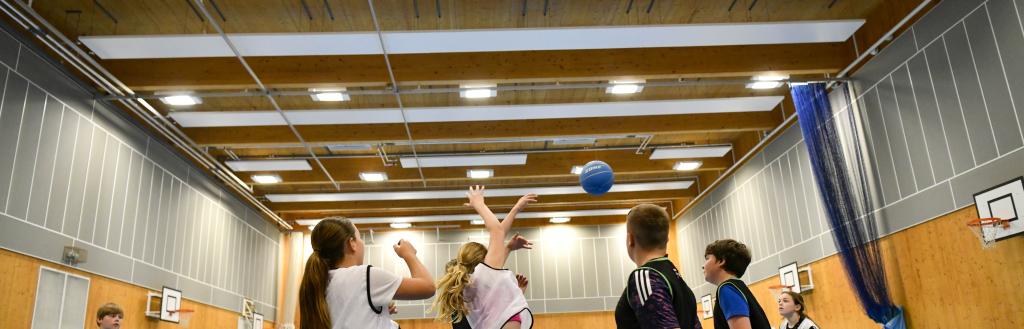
(624, 142)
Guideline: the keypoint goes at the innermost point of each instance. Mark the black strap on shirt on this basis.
(369, 300)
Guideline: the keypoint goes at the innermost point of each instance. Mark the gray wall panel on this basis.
(883, 159)
(894, 132)
(8, 49)
(949, 107)
(942, 18)
(61, 178)
(910, 119)
(73, 173)
(993, 82)
(888, 59)
(11, 110)
(25, 156)
(931, 122)
(46, 154)
(1006, 24)
(965, 77)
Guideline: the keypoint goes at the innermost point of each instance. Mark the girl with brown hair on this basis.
(794, 312)
(339, 291)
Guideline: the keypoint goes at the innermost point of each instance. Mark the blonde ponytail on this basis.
(450, 304)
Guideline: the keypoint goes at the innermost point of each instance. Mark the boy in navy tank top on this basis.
(735, 307)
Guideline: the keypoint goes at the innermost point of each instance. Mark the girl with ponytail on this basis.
(477, 287)
(339, 292)
(794, 312)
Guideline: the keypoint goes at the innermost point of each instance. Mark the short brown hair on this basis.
(108, 309)
(735, 255)
(649, 224)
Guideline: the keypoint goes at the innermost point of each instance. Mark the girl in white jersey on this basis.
(478, 287)
(339, 292)
(794, 312)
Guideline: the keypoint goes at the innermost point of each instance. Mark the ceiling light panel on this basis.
(268, 165)
(196, 119)
(487, 40)
(691, 152)
(464, 161)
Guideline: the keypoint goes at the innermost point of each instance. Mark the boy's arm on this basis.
(739, 322)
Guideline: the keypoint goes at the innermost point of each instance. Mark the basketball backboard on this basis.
(1004, 201)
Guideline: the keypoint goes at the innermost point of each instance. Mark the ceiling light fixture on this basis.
(576, 170)
(480, 173)
(767, 81)
(559, 220)
(330, 95)
(478, 91)
(625, 87)
(266, 179)
(477, 222)
(401, 225)
(181, 100)
(373, 176)
(687, 165)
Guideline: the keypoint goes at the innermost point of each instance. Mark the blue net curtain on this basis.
(843, 181)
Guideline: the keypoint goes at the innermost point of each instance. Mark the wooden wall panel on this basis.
(20, 273)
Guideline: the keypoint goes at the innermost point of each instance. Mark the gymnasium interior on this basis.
(173, 156)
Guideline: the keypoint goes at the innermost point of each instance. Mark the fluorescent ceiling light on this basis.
(559, 220)
(464, 161)
(687, 165)
(478, 91)
(625, 87)
(770, 77)
(373, 176)
(473, 218)
(337, 95)
(691, 152)
(266, 179)
(195, 119)
(479, 173)
(461, 193)
(764, 85)
(576, 170)
(181, 100)
(486, 40)
(401, 225)
(268, 165)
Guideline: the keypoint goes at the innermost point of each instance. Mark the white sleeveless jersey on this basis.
(493, 297)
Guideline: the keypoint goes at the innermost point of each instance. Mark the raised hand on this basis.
(405, 249)
(518, 242)
(522, 281)
(524, 201)
(475, 196)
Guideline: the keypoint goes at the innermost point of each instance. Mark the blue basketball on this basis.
(597, 177)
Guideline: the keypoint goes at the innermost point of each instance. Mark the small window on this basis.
(61, 299)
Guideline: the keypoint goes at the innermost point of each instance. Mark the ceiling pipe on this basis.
(394, 82)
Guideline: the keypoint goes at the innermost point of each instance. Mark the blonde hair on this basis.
(450, 303)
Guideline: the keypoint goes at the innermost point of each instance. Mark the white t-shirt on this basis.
(494, 298)
(805, 323)
(358, 297)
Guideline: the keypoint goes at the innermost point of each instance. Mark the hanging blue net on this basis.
(842, 177)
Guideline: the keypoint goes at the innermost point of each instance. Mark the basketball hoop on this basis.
(184, 316)
(986, 228)
(777, 289)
